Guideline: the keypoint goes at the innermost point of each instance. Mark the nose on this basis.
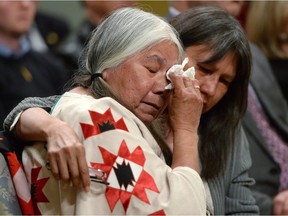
(209, 85)
(160, 83)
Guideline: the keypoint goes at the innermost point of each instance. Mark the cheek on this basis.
(198, 76)
(131, 91)
(221, 92)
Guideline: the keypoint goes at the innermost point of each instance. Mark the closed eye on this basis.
(225, 82)
(152, 70)
(203, 70)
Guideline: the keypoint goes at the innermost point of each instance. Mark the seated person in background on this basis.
(24, 72)
(266, 120)
(220, 53)
(176, 7)
(117, 93)
(267, 27)
(48, 32)
(95, 12)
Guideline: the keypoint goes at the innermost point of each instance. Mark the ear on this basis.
(105, 75)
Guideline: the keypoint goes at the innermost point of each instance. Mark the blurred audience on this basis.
(267, 26)
(24, 71)
(266, 120)
(48, 32)
(95, 12)
(176, 6)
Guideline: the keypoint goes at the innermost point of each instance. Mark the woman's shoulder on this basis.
(79, 103)
(84, 109)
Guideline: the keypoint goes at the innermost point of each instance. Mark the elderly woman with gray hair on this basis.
(114, 98)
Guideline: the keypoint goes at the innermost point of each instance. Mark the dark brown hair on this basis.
(223, 34)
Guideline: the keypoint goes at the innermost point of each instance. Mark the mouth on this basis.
(155, 106)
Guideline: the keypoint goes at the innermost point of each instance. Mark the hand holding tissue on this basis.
(190, 72)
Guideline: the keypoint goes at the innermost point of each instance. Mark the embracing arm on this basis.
(44, 103)
(66, 153)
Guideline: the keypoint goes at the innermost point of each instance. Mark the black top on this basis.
(34, 74)
(70, 50)
(52, 28)
(280, 70)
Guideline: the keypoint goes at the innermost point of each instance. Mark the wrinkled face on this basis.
(214, 79)
(16, 16)
(232, 7)
(139, 81)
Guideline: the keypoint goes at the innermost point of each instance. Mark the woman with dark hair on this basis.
(218, 49)
(224, 91)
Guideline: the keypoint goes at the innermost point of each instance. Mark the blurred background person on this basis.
(266, 120)
(48, 32)
(267, 26)
(24, 71)
(178, 6)
(95, 12)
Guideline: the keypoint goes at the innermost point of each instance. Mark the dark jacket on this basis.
(34, 74)
(264, 168)
(70, 50)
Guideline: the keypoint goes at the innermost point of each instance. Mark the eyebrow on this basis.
(156, 58)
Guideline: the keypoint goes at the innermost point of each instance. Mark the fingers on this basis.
(53, 166)
(280, 203)
(59, 165)
(79, 172)
(69, 163)
(180, 82)
(185, 103)
(191, 83)
(66, 155)
(84, 171)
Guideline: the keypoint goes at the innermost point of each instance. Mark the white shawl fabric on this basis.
(118, 143)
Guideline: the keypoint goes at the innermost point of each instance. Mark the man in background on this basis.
(24, 71)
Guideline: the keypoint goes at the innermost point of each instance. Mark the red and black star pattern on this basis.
(36, 189)
(101, 123)
(126, 175)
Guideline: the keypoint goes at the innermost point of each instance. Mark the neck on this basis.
(11, 41)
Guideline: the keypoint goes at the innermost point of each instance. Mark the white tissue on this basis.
(190, 72)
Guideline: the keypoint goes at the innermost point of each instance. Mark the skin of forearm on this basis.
(185, 149)
(34, 124)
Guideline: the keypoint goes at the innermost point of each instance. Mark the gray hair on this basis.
(124, 33)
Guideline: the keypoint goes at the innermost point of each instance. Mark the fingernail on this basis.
(87, 188)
